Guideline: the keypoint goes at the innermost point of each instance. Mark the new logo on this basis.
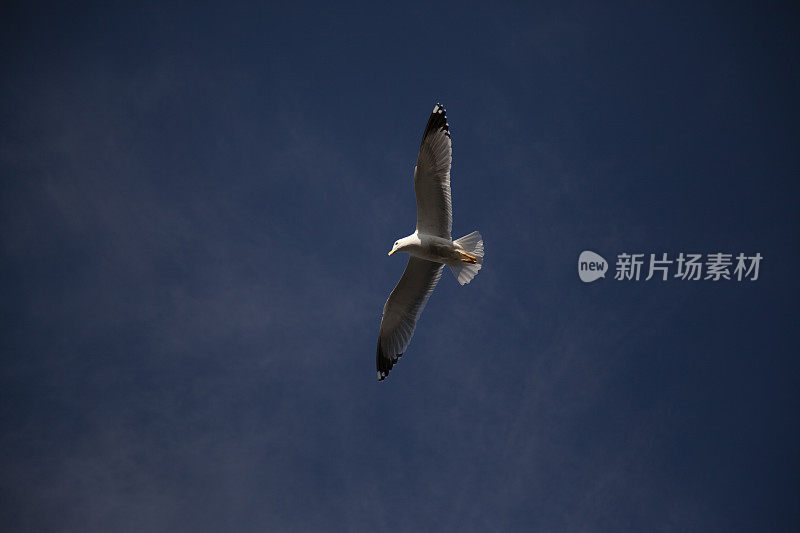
(591, 266)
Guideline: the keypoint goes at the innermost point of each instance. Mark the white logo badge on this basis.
(591, 266)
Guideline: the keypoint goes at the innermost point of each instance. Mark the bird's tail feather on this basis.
(473, 245)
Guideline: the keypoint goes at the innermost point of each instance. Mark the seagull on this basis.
(430, 247)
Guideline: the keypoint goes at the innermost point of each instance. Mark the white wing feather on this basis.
(432, 177)
(402, 310)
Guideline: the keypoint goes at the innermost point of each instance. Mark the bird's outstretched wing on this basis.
(402, 310)
(432, 177)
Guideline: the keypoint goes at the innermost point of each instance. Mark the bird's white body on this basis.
(430, 247)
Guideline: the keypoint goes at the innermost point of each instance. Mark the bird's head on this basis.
(406, 244)
(403, 245)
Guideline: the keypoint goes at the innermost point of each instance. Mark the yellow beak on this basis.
(390, 253)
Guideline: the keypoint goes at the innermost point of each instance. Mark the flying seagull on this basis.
(430, 246)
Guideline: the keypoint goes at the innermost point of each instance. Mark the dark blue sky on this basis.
(195, 210)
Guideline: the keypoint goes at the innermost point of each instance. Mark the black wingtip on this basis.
(383, 363)
(437, 121)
